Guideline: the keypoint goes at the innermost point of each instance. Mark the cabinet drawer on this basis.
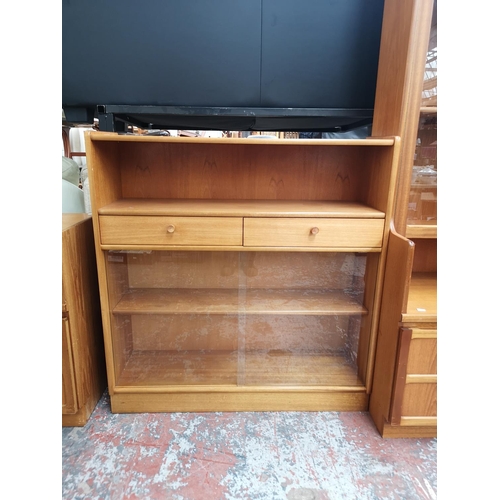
(419, 400)
(313, 232)
(415, 388)
(422, 355)
(164, 230)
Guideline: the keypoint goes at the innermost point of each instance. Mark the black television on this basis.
(281, 65)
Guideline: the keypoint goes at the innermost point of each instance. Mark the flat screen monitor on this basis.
(221, 64)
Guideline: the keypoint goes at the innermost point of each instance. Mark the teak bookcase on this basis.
(245, 275)
(240, 274)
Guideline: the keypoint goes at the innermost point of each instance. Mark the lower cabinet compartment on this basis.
(414, 402)
(228, 350)
(250, 321)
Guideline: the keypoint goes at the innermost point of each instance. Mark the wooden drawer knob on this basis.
(315, 230)
(170, 228)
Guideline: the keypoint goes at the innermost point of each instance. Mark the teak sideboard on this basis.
(83, 370)
(240, 274)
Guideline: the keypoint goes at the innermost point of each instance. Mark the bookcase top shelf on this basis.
(116, 137)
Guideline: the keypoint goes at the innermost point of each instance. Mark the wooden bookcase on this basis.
(404, 397)
(238, 274)
(83, 370)
(269, 275)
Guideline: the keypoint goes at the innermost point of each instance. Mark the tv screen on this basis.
(221, 64)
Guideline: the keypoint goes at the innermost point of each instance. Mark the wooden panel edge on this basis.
(418, 421)
(210, 402)
(421, 231)
(228, 389)
(424, 378)
(410, 432)
(400, 376)
(115, 137)
(424, 333)
(223, 248)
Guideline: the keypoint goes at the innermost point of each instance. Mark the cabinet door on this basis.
(224, 318)
(422, 203)
(69, 395)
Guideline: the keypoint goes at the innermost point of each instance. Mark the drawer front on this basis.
(422, 356)
(419, 400)
(164, 230)
(415, 388)
(313, 232)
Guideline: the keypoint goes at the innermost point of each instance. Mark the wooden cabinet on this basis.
(83, 371)
(274, 274)
(415, 400)
(239, 274)
(404, 396)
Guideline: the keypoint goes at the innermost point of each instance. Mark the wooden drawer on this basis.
(313, 232)
(419, 400)
(415, 389)
(165, 230)
(422, 354)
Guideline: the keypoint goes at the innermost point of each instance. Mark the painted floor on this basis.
(254, 456)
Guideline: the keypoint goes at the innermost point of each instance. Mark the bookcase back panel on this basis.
(241, 172)
(277, 270)
(263, 333)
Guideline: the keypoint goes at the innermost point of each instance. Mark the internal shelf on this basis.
(422, 298)
(302, 369)
(428, 110)
(421, 229)
(240, 208)
(180, 368)
(245, 369)
(238, 301)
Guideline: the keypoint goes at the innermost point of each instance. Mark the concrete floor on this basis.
(254, 456)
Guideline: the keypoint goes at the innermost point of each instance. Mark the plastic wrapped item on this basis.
(423, 194)
(86, 196)
(70, 170)
(424, 175)
(72, 198)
